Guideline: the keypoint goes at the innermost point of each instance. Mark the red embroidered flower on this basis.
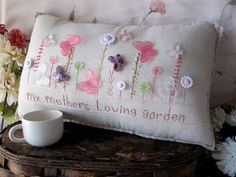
(158, 6)
(156, 70)
(146, 49)
(2, 28)
(16, 38)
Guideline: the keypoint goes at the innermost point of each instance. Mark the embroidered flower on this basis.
(186, 82)
(144, 87)
(29, 63)
(2, 28)
(49, 40)
(156, 70)
(158, 6)
(120, 85)
(73, 39)
(118, 61)
(177, 52)
(146, 49)
(79, 65)
(225, 155)
(60, 74)
(91, 84)
(17, 39)
(68, 44)
(40, 75)
(107, 39)
(124, 36)
(53, 60)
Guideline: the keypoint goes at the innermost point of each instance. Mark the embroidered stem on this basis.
(134, 78)
(111, 80)
(28, 75)
(176, 75)
(153, 85)
(67, 69)
(185, 94)
(50, 76)
(39, 55)
(102, 59)
(120, 94)
(76, 82)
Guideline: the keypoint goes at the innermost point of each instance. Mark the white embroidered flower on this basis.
(225, 154)
(218, 116)
(120, 85)
(107, 39)
(231, 118)
(29, 63)
(50, 40)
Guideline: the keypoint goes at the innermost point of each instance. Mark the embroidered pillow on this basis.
(118, 12)
(151, 81)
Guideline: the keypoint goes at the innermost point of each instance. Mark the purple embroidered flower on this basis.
(186, 82)
(118, 62)
(60, 74)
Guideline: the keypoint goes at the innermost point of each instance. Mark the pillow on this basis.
(151, 81)
(21, 14)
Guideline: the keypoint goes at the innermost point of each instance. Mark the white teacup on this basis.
(40, 128)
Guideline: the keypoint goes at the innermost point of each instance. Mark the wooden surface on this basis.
(97, 152)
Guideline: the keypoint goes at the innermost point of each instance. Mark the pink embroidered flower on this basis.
(146, 49)
(177, 52)
(73, 39)
(53, 60)
(91, 84)
(124, 35)
(158, 6)
(2, 28)
(68, 44)
(66, 47)
(16, 38)
(156, 70)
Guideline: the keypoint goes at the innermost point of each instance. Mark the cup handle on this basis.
(12, 137)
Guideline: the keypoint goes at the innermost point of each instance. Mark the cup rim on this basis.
(31, 114)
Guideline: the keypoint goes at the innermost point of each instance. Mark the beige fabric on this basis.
(153, 113)
(20, 14)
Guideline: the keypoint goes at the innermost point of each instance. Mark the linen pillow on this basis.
(21, 14)
(151, 81)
